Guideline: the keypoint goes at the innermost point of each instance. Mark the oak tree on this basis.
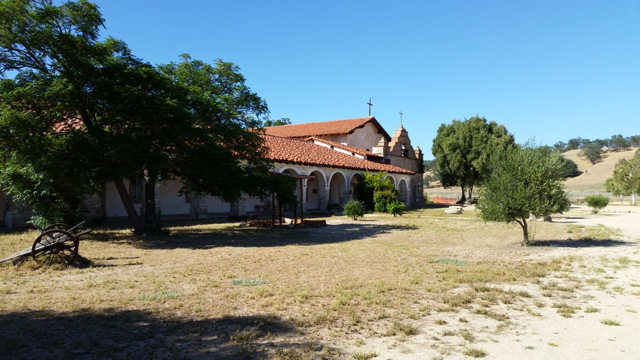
(465, 150)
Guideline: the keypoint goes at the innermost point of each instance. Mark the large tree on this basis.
(526, 181)
(92, 113)
(465, 150)
(625, 180)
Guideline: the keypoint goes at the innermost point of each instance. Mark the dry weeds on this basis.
(218, 290)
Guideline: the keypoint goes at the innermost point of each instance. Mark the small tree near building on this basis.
(526, 181)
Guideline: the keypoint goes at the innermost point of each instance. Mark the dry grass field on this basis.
(593, 176)
(351, 290)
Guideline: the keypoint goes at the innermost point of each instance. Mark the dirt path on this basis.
(602, 304)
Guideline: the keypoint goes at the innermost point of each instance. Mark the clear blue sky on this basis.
(547, 69)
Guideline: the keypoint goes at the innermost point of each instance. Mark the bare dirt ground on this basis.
(599, 318)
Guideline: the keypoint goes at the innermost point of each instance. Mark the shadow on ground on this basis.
(141, 335)
(580, 243)
(240, 236)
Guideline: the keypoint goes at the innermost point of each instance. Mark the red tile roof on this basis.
(353, 149)
(295, 151)
(324, 128)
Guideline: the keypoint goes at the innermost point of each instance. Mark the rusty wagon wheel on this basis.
(59, 226)
(55, 245)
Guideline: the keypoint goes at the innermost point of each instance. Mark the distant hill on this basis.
(591, 181)
(593, 176)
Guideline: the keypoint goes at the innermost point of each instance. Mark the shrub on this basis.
(395, 208)
(383, 198)
(354, 209)
(597, 202)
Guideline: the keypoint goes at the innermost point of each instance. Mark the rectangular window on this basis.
(136, 190)
(187, 197)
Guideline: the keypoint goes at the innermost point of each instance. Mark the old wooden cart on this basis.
(57, 242)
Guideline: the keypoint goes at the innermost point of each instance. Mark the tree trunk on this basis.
(138, 226)
(463, 199)
(525, 231)
(151, 223)
(633, 199)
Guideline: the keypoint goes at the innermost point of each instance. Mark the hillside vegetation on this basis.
(591, 181)
(593, 176)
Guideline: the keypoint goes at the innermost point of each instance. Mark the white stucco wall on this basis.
(170, 201)
(366, 137)
(215, 205)
(113, 204)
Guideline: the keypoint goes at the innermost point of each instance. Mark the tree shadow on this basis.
(580, 243)
(568, 219)
(239, 236)
(135, 334)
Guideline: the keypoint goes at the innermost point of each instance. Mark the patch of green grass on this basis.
(610, 322)
(450, 261)
(590, 310)
(624, 260)
(475, 352)
(565, 310)
(249, 282)
(364, 355)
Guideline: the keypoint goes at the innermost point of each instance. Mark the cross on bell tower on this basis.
(370, 105)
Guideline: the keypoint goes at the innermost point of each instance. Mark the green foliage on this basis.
(465, 150)
(383, 198)
(396, 208)
(430, 165)
(619, 142)
(526, 181)
(625, 179)
(278, 122)
(376, 191)
(354, 209)
(592, 151)
(93, 113)
(282, 186)
(616, 142)
(597, 202)
(569, 168)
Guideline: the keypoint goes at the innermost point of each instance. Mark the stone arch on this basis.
(393, 180)
(403, 191)
(355, 180)
(338, 192)
(290, 170)
(316, 198)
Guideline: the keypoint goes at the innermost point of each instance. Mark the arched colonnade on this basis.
(330, 188)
